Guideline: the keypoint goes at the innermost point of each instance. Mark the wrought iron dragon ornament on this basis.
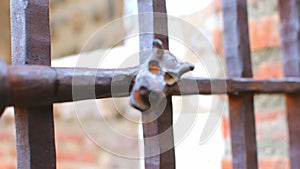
(161, 71)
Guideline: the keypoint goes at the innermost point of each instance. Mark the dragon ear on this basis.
(159, 48)
(185, 67)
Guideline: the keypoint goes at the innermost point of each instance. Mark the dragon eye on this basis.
(169, 78)
(153, 66)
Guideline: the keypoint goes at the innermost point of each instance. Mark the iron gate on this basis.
(32, 77)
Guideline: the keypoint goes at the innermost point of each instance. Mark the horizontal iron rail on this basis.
(45, 85)
(237, 86)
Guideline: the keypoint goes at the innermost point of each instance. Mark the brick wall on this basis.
(271, 127)
(75, 149)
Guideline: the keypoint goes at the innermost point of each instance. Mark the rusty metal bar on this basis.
(31, 45)
(165, 120)
(150, 129)
(236, 86)
(161, 22)
(145, 9)
(153, 25)
(290, 39)
(237, 51)
(46, 85)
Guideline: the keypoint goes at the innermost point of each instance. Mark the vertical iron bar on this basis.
(157, 24)
(238, 62)
(150, 129)
(145, 8)
(165, 121)
(4, 89)
(290, 39)
(31, 45)
(161, 22)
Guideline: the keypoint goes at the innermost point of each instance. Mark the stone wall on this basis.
(4, 31)
(72, 23)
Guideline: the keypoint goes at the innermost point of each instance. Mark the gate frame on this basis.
(35, 123)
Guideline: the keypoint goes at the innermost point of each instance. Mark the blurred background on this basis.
(73, 22)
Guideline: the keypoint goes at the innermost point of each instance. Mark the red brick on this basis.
(217, 5)
(225, 128)
(274, 163)
(84, 157)
(264, 33)
(271, 31)
(6, 165)
(255, 38)
(266, 71)
(13, 152)
(69, 137)
(226, 164)
(217, 40)
(269, 163)
(6, 136)
(267, 116)
(260, 117)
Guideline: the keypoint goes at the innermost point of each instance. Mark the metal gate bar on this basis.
(165, 120)
(241, 109)
(153, 24)
(55, 84)
(31, 45)
(290, 39)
